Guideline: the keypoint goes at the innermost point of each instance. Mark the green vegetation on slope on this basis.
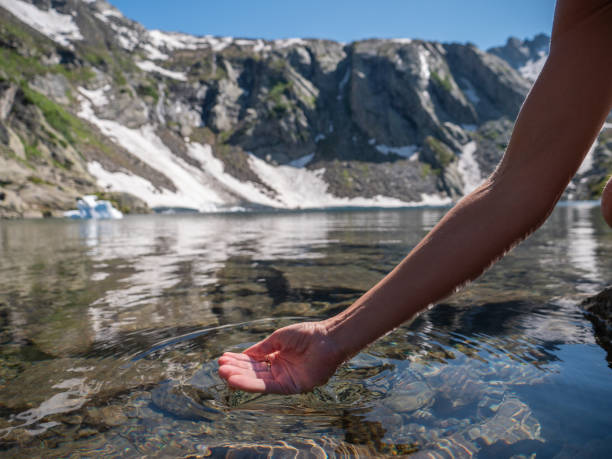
(444, 83)
(443, 154)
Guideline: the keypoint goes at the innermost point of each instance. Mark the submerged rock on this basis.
(409, 396)
(598, 309)
(514, 422)
(65, 385)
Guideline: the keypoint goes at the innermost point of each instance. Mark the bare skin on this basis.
(556, 126)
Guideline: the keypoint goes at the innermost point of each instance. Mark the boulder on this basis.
(598, 309)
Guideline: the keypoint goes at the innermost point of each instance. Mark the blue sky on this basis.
(483, 22)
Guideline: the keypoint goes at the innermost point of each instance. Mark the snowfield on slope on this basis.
(210, 188)
(60, 28)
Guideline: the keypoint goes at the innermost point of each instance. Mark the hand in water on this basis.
(293, 359)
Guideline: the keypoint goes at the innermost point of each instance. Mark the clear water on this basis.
(109, 332)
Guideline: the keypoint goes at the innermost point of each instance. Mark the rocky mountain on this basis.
(526, 56)
(92, 102)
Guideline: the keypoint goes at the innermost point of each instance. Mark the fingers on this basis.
(243, 361)
(227, 370)
(254, 366)
(231, 364)
(247, 373)
(237, 356)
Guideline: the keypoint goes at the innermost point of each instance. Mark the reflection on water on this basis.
(109, 332)
(582, 247)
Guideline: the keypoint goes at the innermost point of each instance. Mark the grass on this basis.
(66, 165)
(7, 152)
(443, 155)
(37, 180)
(444, 83)
(95, 58)
(224, 136)
(114, 201)
(75, 131)
(426, 170)
(74, 75)
(57, 117)
(32, 151)
(597, 188)
(18, 67)
(144, 90)
(278, 95)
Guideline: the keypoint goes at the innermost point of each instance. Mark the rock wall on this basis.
(91, 102)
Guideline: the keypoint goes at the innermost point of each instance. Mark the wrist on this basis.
(336, 331)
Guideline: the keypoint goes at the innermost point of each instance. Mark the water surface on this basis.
(109, 332)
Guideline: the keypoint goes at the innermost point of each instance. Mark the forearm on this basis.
(557, 124)
(475, 233)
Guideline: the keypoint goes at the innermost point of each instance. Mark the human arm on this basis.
(557, 124)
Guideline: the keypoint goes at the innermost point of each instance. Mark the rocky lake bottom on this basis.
(110, 331)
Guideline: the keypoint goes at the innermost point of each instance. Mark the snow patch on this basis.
(60, 28)
(343, 83)
(405, 152)
(469, 169)
(402, 41)
(134, 184)
(214, 167)
(149, 66)
(109, 13)
(173, 41)
(279, 44)
(205, 189)
(154, 53)
(261, 46)
(208, 188)
(128, 37)
(193, 191)
(533, 67)
(96, 97)
(303, 189)
(470, 91)
(424, 70)
(433, 200)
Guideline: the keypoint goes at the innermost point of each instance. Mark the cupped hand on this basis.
(292, 360)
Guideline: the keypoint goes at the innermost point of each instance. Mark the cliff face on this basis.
(91, 102)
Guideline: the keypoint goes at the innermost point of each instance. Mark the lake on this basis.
(110, 331)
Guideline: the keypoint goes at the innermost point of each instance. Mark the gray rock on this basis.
(598, 309)
(519, 52)
(409, 396)
(54, 86)
(496, 89)
(7, 97)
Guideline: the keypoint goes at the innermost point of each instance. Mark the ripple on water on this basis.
(110, 335)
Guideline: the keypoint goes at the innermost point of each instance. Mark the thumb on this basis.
(264, 347)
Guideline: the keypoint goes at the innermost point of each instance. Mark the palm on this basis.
(293, 359)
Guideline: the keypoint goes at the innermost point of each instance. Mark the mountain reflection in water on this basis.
(109, 333)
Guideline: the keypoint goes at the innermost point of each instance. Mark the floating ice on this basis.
(89, 207)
